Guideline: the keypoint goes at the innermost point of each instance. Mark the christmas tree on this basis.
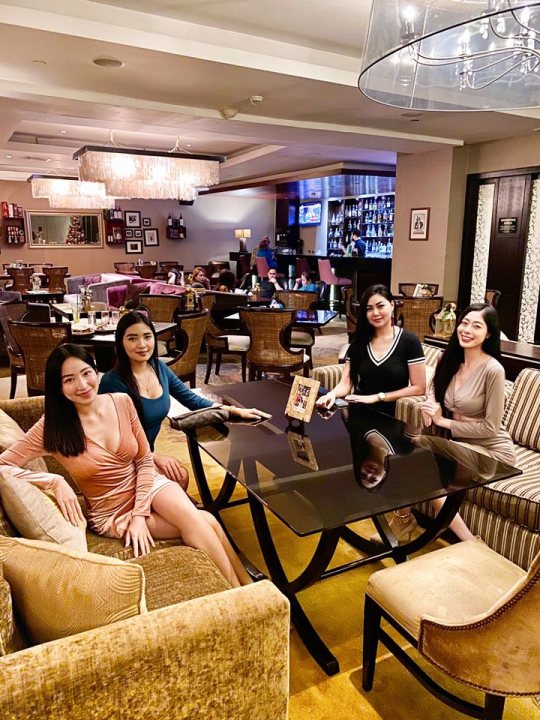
(75, 234)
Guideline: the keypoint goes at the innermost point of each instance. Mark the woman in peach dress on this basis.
(100, 441)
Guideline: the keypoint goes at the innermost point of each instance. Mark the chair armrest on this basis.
(408, 410)
(219, 656)
(328, 375)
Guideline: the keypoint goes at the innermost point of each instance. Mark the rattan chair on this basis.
(350, 313)
(189, 336)
(492, 297)
(220, 342)
(162, 308)
(408, 289)
(124, 267)
(146, 270)
(296, 299)
(55, 276)
(414, 314)
(470, 613)
(269, 351)
(36, 342)
(12, 311)
(167, 265)
(21, 278)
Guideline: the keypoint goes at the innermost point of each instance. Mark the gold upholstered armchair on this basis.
(470, 613)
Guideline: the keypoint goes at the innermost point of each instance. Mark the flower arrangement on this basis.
(446, 320)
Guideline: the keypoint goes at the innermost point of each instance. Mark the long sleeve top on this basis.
(481, 398)
(155, 410)
(116, 485)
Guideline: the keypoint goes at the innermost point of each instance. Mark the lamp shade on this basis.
(242, 234)
(453, 54)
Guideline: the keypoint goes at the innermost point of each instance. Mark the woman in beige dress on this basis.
(101, 443)
(467, 395)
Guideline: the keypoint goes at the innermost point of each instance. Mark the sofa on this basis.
(98, 283)
(118, 295)
(505, 514)
(202, 649)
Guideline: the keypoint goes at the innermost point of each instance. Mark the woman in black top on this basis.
(384, 362)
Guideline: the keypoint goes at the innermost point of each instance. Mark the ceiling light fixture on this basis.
(147, 174)
(108, 62)
(448, 55)
(70, 192)
(229, 112)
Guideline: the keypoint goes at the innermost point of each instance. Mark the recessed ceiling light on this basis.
(108, 62)
(39, 62)
(47, 159)
(63, 132)
(9, 157)
(189, 145)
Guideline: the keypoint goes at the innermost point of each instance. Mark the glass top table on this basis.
(321, 476)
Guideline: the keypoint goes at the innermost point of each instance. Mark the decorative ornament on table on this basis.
(85, 295)
(445, 321)
(36, 282)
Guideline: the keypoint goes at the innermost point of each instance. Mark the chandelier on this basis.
(453, 54)
(70, 192)
(146, 174)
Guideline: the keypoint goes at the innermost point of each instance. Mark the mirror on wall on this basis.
(64, 229)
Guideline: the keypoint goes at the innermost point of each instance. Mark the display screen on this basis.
(310, 213)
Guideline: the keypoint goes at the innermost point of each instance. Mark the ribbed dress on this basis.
(116, 485)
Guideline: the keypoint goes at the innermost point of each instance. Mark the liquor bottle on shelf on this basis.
(181, 220)
(169, 220)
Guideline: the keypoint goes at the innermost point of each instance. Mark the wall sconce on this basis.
(242, 236)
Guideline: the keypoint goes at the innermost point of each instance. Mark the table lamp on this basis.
(242, 236)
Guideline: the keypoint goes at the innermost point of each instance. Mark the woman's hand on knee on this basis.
(173, 469)
(138, 536)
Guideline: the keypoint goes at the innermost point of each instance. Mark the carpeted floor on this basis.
(334, 606)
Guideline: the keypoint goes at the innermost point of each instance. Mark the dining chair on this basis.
(124, 267)
(162, 308)
(36, 342)
(492, 297)
(414, 313)
(470, 613)
(221, 342)
(216, 266)
(302, 265)
(21, 278)
(190, 331)
(56, 278)
(269, 350)
(12, 311)
(146, 270)
(167, 265)
(327, 274)
(408, 289)
(296, 299)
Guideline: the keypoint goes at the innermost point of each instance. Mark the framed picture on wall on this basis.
(134, 247)
(151, 237)
(146, 222)
(137, 233)
(132, 218)
(419, 224)
(128, 233)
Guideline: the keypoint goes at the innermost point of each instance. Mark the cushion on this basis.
(301, 338)
(58, 592)
(523, 409)
(11, 639)
(160, 288)
(37, 516)
(116, 295)
(239, 343)
(10, 432)
(91, 279)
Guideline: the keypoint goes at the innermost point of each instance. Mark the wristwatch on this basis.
(381, 396)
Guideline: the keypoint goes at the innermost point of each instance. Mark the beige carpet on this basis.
(334, 606)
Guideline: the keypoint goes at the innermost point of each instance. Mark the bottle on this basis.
(181, 220)
(169, 220)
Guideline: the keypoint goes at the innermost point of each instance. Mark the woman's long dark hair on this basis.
(364, 331)
(454, 355)
(63, 432)
(123, 363)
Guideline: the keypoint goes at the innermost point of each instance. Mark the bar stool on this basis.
(327, 275)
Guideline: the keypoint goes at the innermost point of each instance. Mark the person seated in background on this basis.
(306, 282)
(361, 246)
(270, 284)
(226, 281)
(265, 252)
(175, 277)
(199, 279)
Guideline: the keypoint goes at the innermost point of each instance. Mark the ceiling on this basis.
(183, 62)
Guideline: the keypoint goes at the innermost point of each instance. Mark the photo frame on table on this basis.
(146, 222)
(302, 450)
(134, 247)
(132, 218)
(137, 233)
(128, 234)
(151, 237)
(302, 398)
(419, 228)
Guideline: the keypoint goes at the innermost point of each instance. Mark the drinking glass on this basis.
(92, 319)
(75, 311)
(104, 317)
(115, 317)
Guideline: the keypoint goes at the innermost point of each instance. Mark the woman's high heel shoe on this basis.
(402, 527)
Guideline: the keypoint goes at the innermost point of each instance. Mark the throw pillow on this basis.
(10, 638)
(10, 432)
(37, 516)
(58, 592)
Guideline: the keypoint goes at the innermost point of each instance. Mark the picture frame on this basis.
(419, 227)
(128, 233)
(134, 247)
(302, 450)
(132, 218)
(147, 222)
(302, 398)
(151, 237)
(137, 234)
